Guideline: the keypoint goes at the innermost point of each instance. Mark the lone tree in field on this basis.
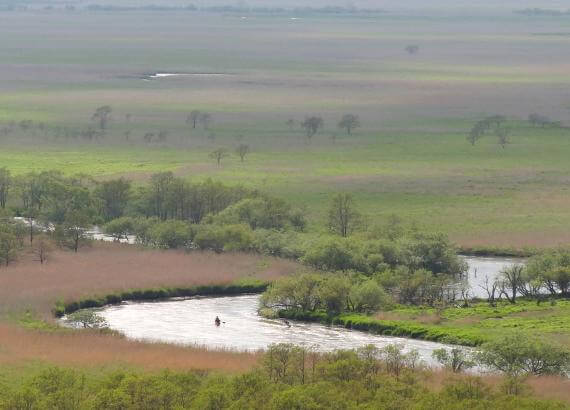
(242, 150)
(218, 155)
(290, 123)
(102, 116)
(193, 118)
(5, 182)
(503, 137)
(349, 122)
(343, 217)
(206, 119)
(412, 49)
(312, 125)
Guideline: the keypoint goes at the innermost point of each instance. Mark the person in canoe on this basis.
(217, 321)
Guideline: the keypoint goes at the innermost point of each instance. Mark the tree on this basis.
(102, 116)
(114, 196)
(516, 355)
(456, 359)
(193, 118)
(491, 287)
(290, 123)
(120, 228)
(368, 297)
(343, 217)
(312, 125)
(74, 229)
(503, 136)
(349, 122)
(42, 248)
(412, 49)
(162, 135)
(5, 183)
(9, 246)
(218, 155)
(206, 120)
(512, 277)
(242, 150)
(476, 133)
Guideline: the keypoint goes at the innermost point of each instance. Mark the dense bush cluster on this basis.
(289, 378)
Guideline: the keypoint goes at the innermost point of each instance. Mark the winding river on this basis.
(191, 321)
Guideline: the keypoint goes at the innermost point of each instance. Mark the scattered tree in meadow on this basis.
(349, 122)
(503, 136)
(193, 118)
(412, 49)
(147, 137)
(219, 154)
(162, 136)
(343, 216)
(242, 150)
(206, 119)
(291, 124)
(312, 125)
(102, 116)
(5, 183)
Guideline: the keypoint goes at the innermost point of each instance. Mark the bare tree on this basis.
(512, 278)
(127, 134)
(491, 289)
(193, 118)
(412, 49)
(349, 122)
(218, 155)
(102, 116)
(42, 248)
(242, 150)
(343, 217)
(312, 125)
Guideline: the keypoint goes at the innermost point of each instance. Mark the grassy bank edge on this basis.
(240, 287)
(390, 327)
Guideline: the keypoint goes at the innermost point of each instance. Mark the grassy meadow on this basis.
(410, 158)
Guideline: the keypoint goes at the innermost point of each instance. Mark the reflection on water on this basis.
(191, 322)
(482, 267)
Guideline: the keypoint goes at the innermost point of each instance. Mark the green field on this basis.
(410, 158)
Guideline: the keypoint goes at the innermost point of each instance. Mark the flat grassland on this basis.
(410, 158)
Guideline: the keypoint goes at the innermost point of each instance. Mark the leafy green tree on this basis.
(73, 231)
(518, 354)
(114, 196)
(312, 125)
(333, 293)
(120, 228)
(456, 359)
(102, 116)
(242, 150)
(368, 297)
(219, 154)
(349, 122)
(9, 246)
(332, 254)
(5, 184)
(171, 234)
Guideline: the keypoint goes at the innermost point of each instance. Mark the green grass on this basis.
(471, 326)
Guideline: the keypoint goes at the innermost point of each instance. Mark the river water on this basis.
(191, 322)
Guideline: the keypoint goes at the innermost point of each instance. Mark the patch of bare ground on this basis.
(94, 349)
(106, 268)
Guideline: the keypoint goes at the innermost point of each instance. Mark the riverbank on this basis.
(470, 326)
